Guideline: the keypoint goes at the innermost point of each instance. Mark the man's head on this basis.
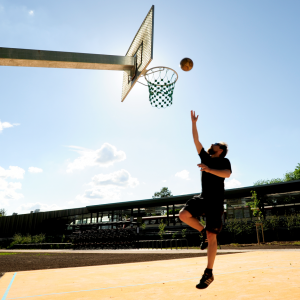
(218, 149)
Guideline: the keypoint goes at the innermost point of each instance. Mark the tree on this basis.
(257, 205)
(161, 227)
(2, 212)
(289, 176)
(268, 181)
(295, 175)
(164, 192)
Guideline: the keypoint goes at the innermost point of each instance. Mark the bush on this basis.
(27, 239)
(288, 222)
(275, 228)
(240, 227)
(40, 238)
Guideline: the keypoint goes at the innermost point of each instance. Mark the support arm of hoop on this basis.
(69, 60)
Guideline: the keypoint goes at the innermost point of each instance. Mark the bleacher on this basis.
(104, 239)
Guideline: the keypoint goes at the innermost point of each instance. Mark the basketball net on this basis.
(161, 83)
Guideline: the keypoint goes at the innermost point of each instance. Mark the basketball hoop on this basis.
(161, 83)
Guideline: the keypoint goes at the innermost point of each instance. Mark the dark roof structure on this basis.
(34, 223)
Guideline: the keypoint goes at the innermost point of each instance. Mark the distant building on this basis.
(280, 198)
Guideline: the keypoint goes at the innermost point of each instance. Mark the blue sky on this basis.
(68, 141)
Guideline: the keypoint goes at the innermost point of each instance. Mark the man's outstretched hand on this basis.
(193, 116)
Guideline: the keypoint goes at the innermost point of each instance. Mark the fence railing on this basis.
(165, 242)
(41, 245)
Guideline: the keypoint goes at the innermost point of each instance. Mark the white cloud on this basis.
(35, 170)
(31, 206)
(8, 189)
(4, 125)
(13, 172)
(232, 183)
(120, 178)
(106, 156)
(108, 187)
(183, 175)
(100, 194)
(31, 12)
(164, 181)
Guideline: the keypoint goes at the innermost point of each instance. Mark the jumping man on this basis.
(210, 203)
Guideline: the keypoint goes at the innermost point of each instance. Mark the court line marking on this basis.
(9, 286)
(143, 284)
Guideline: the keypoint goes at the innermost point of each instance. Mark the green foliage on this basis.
(268, 181)
(295, 175)
(240, 227)
(40, 238)
(272, 223)
(174, 235)
(289, 176)
(176, 211)
(7, 253)
(28, 239)
(164, 192)
(161, 227)
(2, 212)
(255, 205)
(183, 233)
(143, 226)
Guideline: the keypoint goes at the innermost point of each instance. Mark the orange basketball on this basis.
(186, 64)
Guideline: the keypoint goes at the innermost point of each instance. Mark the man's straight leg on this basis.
(211, 249)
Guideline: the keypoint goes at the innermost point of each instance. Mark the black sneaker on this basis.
(204, 242)
(205, 281)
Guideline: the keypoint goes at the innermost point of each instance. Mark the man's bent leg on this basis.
(186, 217)
(212, 249)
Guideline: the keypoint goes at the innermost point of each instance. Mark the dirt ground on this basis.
(37, 261)
(271, 245)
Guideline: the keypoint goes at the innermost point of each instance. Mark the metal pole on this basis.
(67, 60)
(174, 215)
(168, 220)
(257, 234)
(262, 232)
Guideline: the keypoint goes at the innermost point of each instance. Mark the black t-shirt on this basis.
(212, 185)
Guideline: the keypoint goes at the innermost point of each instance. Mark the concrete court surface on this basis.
(249, 275)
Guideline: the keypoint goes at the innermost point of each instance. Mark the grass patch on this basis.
(7, 253)
(296, 243)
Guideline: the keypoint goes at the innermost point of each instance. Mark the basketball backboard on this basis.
(142, 49)
(133, 64)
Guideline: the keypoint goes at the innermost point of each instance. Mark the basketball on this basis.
(186, 64)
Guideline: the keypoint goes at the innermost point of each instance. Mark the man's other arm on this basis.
(220, 173)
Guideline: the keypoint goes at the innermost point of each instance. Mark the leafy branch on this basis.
(161, 227)
(255, 205)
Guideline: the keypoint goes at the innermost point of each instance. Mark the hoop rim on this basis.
(146, 71)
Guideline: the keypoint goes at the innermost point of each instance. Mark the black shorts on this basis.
(199, 206)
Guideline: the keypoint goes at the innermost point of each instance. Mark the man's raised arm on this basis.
(195, 132)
